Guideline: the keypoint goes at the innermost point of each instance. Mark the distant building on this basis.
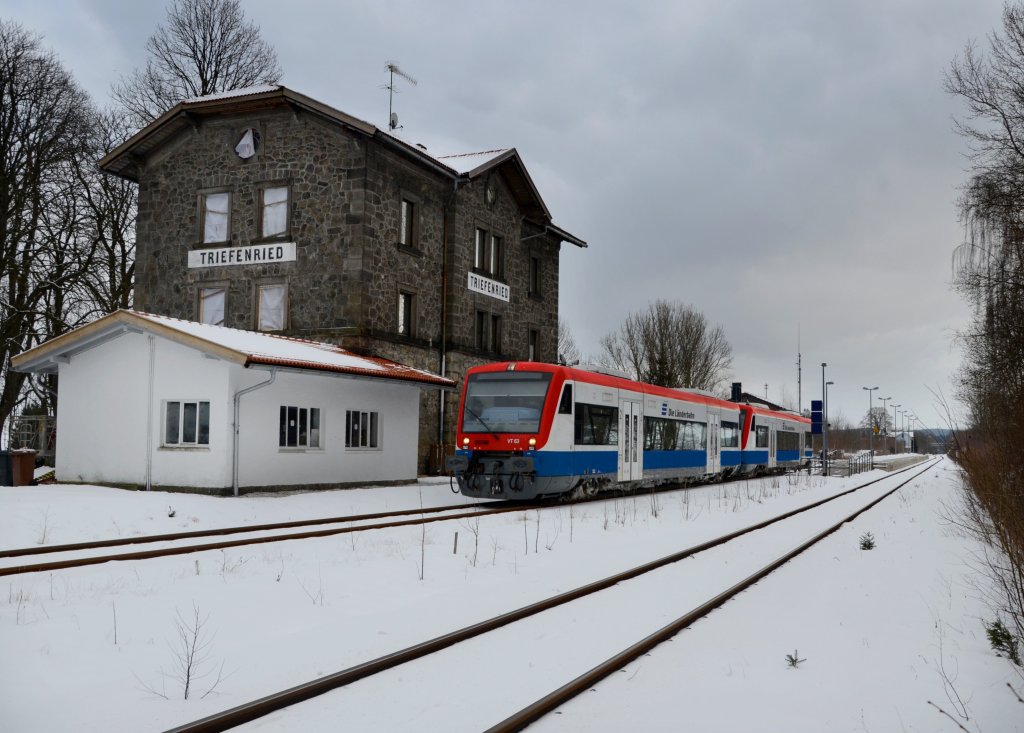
(266, 210)
(150, 401)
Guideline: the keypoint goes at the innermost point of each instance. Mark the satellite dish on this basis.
(394, 121)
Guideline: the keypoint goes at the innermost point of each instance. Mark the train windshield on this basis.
(504, 402)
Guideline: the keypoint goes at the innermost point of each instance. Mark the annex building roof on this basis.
(245, 348)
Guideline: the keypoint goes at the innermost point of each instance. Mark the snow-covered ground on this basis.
(882, 632)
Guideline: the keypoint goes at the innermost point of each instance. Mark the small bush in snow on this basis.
(867, 541)
(1003, 642)
(793, 660)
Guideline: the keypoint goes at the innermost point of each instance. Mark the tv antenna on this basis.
(393, 70)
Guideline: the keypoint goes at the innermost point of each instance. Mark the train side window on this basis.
(565, 406)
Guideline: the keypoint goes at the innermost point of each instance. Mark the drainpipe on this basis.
(149, 414)
(444, 315)
(234, 437)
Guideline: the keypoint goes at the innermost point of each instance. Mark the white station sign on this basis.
(486, 286)
(257, 254)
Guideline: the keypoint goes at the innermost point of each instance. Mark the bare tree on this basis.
(877, 420)
(989, 272)
(45, 123)
(203, 47)
(672, 345)
(109, 210)
(568, 351)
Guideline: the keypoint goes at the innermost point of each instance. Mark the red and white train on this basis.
(528, 430)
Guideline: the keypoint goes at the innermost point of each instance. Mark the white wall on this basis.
(101, 413)
(103, 406)
(263, 463)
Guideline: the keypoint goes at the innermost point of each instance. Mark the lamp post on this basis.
(824, 426)
(825, 409)
(894, 427)
(871, 426)
(903, 414)
(885, 417)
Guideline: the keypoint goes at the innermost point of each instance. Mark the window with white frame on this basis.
(272, 307)
(274, 212)
(405, 313)
(361, 429)
(299, 427)
(216, 215)
(211, 305)
(186, 423)
(407, 229)
(488, 254)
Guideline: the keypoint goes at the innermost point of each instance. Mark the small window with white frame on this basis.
(406, 312)
(273, 212)
(216, 217)
(408, 226)
(299, 427)
(272, 307)
(211, 305)
(362, 429)
(186, 423)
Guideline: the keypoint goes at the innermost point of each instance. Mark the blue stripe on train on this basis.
(787, 455)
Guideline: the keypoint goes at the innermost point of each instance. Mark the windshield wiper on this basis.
(480, 420)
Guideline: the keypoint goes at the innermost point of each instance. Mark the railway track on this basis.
(265, 533)
(258, 532)
(542, 705)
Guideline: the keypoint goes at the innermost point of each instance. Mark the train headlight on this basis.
(465, 442)
(533, 442)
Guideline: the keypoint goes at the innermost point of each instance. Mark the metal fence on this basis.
(38, 432)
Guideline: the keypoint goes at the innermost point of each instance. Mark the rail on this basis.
(266, 705)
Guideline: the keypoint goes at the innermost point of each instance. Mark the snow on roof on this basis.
(460, 163)
(242, 92)
(270, 349)
(245, 348)
(466, 162)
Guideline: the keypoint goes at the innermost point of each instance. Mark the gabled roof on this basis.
(125, 159)
(245, 348)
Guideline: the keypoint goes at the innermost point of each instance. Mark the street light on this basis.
(824, 427)
(871, 430)
(825, 409)
(885, 417)
(894, 427)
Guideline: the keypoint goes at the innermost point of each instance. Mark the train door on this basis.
(714, 439)
(772, 444)
(631, 442)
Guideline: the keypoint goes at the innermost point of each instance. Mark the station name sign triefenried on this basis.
(486, 286)
(257, 254)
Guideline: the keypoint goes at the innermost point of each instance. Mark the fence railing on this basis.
(38, 432)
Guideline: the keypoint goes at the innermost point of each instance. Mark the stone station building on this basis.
(266, 210)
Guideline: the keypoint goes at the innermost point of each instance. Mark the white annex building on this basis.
(151, 401)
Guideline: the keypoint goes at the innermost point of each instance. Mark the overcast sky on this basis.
(785, 167)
